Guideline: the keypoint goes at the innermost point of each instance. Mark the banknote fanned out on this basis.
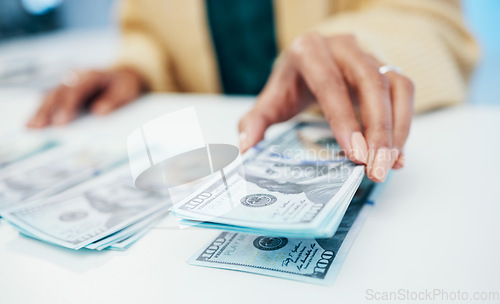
(75, 196)
(298, 185)
(51, 172)
(98, 214)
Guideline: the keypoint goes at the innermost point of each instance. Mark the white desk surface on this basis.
(436, 224)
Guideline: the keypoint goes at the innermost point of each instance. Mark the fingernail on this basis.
(393, 157)
(243, 141)
(61, 118)
(359, 148)
(400, 163)
(381, 164)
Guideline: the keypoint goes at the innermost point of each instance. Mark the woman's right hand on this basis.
(103, 91)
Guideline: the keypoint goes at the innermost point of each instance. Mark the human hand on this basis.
(341, 77)
(104, 91)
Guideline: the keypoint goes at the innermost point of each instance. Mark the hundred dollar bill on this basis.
(309, 260)
(51, 172)
(88, 212)
(299, 183)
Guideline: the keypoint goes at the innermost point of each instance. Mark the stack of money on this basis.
(107, 212)
(297, 185)
(76, 198)
(50, 172)
(287, 210)
(290, 207)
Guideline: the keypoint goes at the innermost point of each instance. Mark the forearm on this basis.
(141, 51)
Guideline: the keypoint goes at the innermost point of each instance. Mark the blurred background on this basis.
(41, 39)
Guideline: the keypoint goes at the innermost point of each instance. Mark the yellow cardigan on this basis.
(169, 41)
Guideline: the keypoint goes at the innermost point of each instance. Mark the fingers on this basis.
(89, 84)
(373, 91)
(314, 61)
(61, 105)
(121, 90)
(42, 117)
(252, 128)
(113, 89)
(278, 101)
(253, 125)
(376, 114)
(402, 94)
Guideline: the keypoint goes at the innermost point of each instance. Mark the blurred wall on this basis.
(482, 16)
(483, 19)
(28, 17)
(87, 14)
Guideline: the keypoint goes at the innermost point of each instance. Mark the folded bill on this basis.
(298, 184)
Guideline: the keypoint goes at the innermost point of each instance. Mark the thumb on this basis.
(277, 102)
(252, 128)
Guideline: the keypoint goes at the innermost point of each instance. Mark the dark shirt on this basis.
(243, 35)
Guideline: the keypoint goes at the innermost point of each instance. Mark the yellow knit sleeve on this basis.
(140, 50)
(426, 38)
